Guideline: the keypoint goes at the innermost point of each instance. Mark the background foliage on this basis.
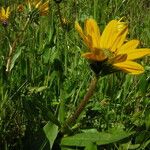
(49, 77)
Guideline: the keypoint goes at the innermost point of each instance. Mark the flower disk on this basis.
(110, 48)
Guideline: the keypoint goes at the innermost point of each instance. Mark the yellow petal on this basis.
(113, 35)
(7, 12)
(91, 29)
(45, 5)
(138, 53)
(44, 8)
(79, 29)
(127, 47)
(86, 40)
(2, 14)
(129, 67)
(119, 40)
(3, 11)
(37, 4)
(107, 33)
(92, 56)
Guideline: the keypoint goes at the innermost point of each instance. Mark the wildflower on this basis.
(39, 6)
(109, 51)
(4, 16)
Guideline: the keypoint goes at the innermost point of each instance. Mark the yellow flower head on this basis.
(41, 7)
(110, 47)
(4, 15)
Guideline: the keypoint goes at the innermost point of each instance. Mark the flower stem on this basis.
(72, 119)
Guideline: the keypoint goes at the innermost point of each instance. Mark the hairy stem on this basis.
(72, 119)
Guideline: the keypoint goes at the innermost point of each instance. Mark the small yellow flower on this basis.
(110, 46)
(4, 15)
(42, 7)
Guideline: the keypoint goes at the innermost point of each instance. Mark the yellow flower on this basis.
(40, 6)
(111, 47)
(4, 15)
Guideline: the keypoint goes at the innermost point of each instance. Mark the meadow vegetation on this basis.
(47, 78)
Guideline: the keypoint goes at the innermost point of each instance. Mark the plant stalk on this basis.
(72, 119)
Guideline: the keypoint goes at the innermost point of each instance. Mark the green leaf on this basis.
(51, 131)
(15, 57)
(100, 138)
(92, 130)
(61, 114)
(128, 146)
(114, 135)
(69, 148)
(91, 146)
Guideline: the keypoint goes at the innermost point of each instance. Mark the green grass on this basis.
(49, 75)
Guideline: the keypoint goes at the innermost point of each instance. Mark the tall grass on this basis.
(48, 72)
